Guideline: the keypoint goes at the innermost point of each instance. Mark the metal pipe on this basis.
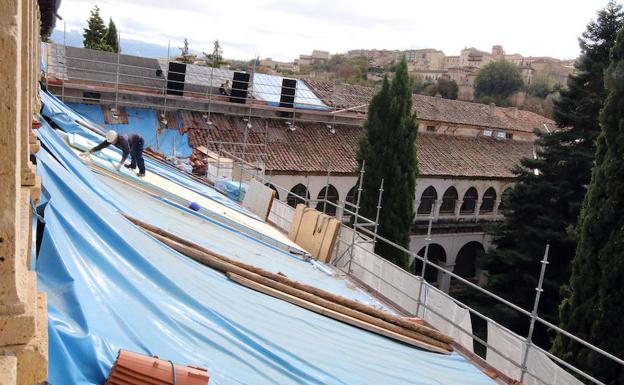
(424, 265)
(381, 190)
(117, 74)
(538, 293)
(357, 210)
(326, 189)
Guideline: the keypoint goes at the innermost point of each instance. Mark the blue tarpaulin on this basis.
(72, 122)
(144, 122)
(111, 286)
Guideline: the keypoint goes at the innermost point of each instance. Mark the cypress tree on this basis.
(111, 38)
(593, 309)
(388, 147)
(544, 208)
(94, 34)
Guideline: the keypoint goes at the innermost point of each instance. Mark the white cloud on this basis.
(284, 29)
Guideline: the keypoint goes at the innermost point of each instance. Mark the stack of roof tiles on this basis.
(137, 369)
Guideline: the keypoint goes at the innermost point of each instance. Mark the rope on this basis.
(174, 371)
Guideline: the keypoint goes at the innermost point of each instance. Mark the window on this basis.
(500, 135)
(299, 190)
(427, 200)
(489, 198)
(332, 196)
(487, 132)
(449, 199)
(431, 128)
(470, 201)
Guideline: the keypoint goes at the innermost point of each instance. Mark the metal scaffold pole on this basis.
(424, 263)
(538, 292)
(381, 190)
(326, 188)
(116, 112)
(357, 213)
(65, 76)
(166, 86)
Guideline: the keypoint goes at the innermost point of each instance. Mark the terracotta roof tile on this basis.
(435, 109)
(311, 148)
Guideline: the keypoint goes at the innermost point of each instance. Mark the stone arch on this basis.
(435, 254)
(272, 187)
(470, 201)
(351, 196)
(299, 190)
(332, 196)
(467, 259)
(449, 200)
(488, 201)
(504, 195)
(427, 200)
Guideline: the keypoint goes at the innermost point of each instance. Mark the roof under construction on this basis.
(114, 285)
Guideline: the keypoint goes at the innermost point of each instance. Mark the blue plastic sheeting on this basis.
(144, 122)
(269, 88)
(112, 286)
(70, 121)
(194, 226)
(233, 189)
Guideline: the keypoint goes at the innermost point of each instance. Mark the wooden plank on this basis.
(309, 293)
(334, 315)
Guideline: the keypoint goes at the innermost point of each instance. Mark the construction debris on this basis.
(136, 369)
(309, 297)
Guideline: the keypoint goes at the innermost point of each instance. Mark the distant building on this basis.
(430, 64)
(277, 65)
(316, 57)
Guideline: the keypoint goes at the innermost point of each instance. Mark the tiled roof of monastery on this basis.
(311, 148)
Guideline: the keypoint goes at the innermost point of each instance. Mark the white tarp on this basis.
(508, 344)
(392, 282)
(541, 370)
(440, 308)
(281, 215)
(542, 367)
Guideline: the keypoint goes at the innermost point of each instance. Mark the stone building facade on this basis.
(23, 310)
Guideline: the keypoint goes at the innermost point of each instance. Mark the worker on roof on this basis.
(225, 88)
(129, 144)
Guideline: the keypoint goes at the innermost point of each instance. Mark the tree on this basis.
(498, 80)
(593, 307)
(388, 147)
(444, 86)
(111, 38)
(93, 35)
(215, 59)
(544, 208)
(541, 86)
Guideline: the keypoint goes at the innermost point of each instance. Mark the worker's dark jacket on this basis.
(129, 144)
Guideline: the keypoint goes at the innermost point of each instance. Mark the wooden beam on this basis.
(334, 314)
(200, 252)
(225, 267)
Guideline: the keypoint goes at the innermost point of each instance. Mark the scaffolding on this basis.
(114, 79)
(354, 255)
(116, 82)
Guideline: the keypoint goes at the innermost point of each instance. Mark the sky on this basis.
(282, 30)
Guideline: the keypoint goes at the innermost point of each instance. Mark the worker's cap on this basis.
(111, 136)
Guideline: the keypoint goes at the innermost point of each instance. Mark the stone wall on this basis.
(23, 311)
